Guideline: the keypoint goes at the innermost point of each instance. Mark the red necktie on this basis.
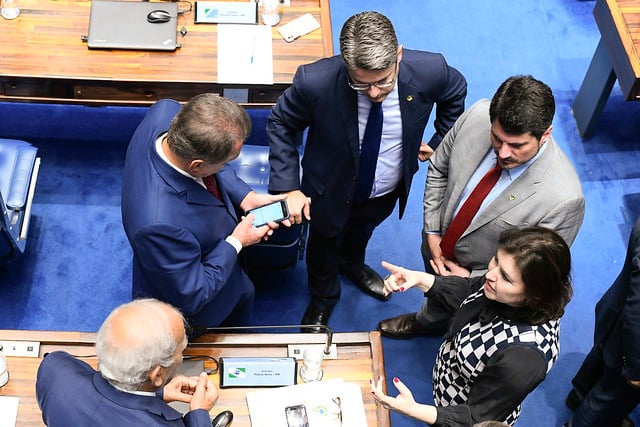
(468, 210)
(212, 186)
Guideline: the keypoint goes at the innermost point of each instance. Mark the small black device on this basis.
(273, 212)
(296, 416)
(158, 16)
(223, 419)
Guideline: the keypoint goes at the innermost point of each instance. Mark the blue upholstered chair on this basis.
(287, 244)
(19, 168)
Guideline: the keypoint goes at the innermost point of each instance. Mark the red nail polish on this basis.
(401, 289)
(378, 377)
(395, 379)
(373, 392)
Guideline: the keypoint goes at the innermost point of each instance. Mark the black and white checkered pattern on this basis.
(463, 357)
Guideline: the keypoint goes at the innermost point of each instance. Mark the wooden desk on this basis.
(359, 358)
(44, 59)
(617, 56)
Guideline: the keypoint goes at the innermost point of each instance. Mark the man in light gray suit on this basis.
(537, 186)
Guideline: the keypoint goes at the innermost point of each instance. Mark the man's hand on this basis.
(179, 389)
(299, 206)
(249, 235)
(424, 152)
(205, 394)
(254, 200)
(441, 265)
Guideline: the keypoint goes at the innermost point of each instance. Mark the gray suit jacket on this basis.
(547, 194)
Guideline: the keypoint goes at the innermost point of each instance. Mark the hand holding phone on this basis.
(273, 212)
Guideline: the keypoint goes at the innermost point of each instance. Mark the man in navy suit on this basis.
(179, 209)
(607, 387)
(139, 348)
(332, 98)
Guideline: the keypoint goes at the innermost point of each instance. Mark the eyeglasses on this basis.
(362, 87)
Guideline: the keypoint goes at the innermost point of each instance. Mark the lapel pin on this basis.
(409, 98)
(512, 197)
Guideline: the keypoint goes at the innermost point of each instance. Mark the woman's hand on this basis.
(404, 402)
(402, 279)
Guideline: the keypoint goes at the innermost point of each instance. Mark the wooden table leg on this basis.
(594, 91)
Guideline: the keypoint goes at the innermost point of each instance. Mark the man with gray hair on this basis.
(366, 111)
(139, 348)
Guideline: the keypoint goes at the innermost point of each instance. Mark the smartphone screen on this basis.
(296, 416)
(273, 212)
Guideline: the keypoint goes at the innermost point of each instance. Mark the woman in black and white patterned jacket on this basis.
(504, 334)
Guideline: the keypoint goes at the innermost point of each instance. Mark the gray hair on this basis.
(125, 364)
(368, 42)
(208, 127)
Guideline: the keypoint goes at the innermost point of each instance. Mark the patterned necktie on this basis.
(369, 152)
(468, 210)
(212, 186)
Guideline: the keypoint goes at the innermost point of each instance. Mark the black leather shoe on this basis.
(367, 280)
(407, 326)
(223, 419)
(314, 316)
(572, 401)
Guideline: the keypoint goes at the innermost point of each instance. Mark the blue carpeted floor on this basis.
(78, 263)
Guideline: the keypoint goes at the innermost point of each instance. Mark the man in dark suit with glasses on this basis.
(366, 111)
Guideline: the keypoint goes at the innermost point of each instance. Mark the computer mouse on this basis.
(158, 16)
(223, 419)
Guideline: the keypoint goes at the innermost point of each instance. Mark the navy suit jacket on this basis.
(72, 393)
(321, 99)
(177, 229)
(617, 328)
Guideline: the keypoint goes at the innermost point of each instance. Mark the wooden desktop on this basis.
(43, 59)
(359, 358)
(617, 56)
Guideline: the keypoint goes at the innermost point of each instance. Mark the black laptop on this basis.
(124, 25)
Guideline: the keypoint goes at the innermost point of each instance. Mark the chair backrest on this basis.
(19, 169)
(287, 244)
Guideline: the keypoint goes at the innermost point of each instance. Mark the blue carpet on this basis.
(78, 267)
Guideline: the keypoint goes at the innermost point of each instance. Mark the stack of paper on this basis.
(332, 403)
(245, 54)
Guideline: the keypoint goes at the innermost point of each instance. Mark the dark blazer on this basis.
(617, 327)
(71, 393)
(321, 99)
(177, 229)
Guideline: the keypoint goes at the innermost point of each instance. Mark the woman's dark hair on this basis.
(544, 261)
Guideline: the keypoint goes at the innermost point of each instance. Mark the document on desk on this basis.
(245, 54)
(331, 403)
(8, 411)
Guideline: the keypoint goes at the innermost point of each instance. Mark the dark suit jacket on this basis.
(71, 393)
(617, 327)
(321, 99)
(177, 229)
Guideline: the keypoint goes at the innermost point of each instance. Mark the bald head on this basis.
(136, 338)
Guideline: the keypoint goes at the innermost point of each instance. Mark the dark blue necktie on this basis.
(369, 152)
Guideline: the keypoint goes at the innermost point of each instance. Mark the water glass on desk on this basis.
(9, 9)
(270, 12)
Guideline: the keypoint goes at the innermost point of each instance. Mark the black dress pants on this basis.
(325, 254)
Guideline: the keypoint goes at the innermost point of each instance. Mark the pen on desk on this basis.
(255, 41)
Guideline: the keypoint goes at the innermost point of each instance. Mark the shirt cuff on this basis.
(235, 243)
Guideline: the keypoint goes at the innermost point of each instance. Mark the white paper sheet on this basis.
(245, 54)
(267, 407)
(8, 411)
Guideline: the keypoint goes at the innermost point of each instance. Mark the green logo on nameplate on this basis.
(238, 373)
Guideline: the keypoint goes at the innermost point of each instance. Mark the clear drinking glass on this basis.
(9, 9)
(270, 12)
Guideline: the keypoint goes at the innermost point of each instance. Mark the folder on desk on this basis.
(124, 25)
